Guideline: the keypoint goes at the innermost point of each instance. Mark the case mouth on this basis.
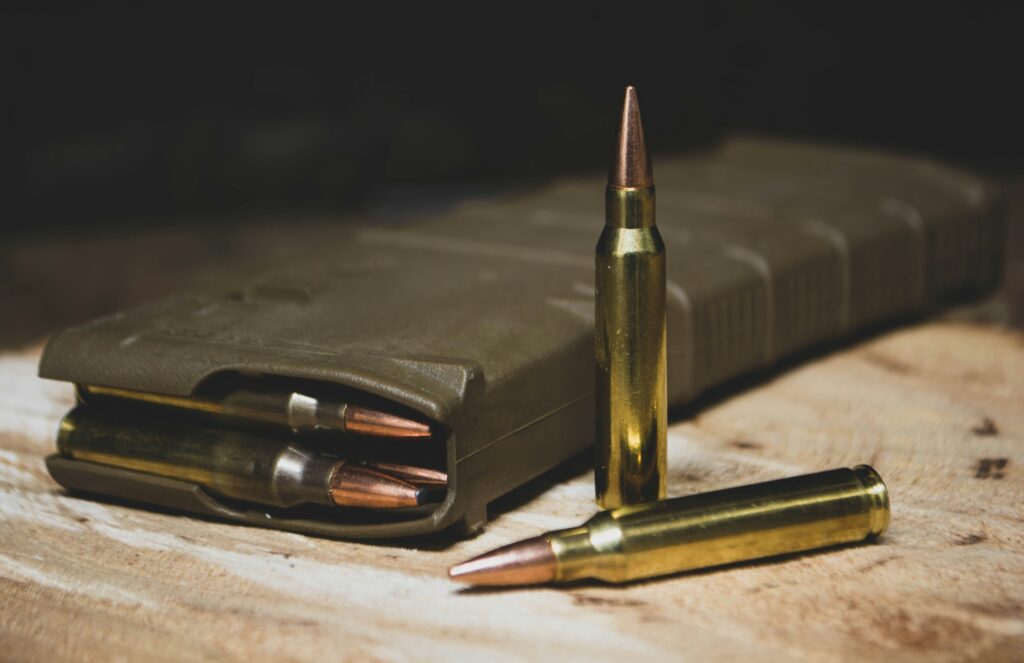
(387, 443)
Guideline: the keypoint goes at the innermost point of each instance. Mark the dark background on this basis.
(147, 151)
(132, 116)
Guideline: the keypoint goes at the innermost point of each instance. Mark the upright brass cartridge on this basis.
(696, 531)
(629, 330)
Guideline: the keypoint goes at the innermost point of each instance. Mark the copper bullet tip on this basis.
(529, 562)
(364, 421)
(420, 476)
(355, 485)
(632, 165)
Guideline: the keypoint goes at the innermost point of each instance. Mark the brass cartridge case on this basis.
(629, 334)
(232, 464)
(710, 529)
(295, 411)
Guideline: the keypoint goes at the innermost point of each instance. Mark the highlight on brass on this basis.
(297, 411)
(631, 396)
(244, 466)
(697, 531)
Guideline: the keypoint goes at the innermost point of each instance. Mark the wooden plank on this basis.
(938, 409)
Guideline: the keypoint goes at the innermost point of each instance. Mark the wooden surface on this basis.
(937, 408)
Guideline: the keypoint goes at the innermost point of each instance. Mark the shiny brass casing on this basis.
(710, 529)
(296, 411)
(229, 463)
(629, 335)
(281, 408)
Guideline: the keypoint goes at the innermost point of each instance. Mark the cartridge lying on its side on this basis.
(696, 531)
(299, 412)
(244, 467)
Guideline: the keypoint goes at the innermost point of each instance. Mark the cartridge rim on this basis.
(878, 495)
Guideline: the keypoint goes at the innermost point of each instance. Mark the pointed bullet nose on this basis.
(364, 421)
(528, 562)
(631, 166)
(358, 486)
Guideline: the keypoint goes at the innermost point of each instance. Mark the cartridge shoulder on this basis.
(630, 242)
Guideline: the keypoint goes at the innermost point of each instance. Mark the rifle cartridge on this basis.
(629, 330)
(238, 465)
(697, 531)
(293, 410)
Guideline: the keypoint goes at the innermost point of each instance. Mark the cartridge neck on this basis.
(593, 550)
(300, 476)
(631, 207)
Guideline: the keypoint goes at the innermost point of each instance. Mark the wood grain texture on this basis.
(938, 409)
